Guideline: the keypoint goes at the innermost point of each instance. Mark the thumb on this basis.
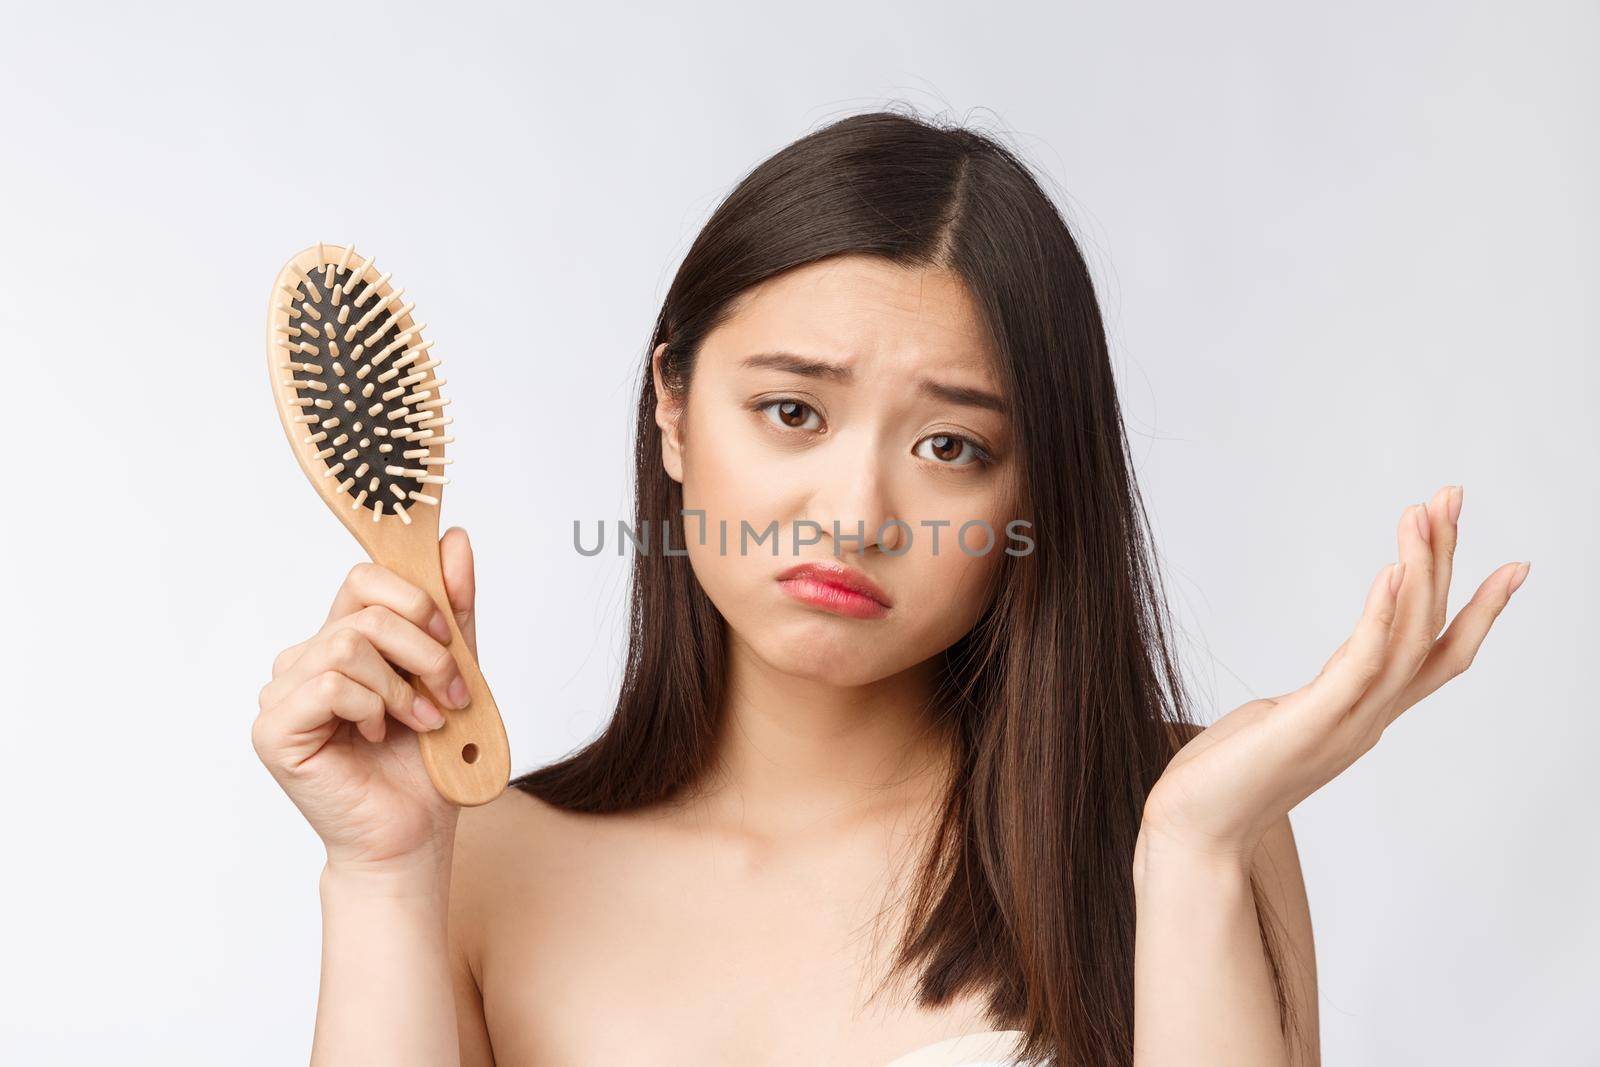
(455, 559)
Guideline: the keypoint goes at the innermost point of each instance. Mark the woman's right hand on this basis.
(323, 730)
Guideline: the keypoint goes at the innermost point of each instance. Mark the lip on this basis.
(836, 587)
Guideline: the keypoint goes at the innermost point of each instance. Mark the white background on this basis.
(1347, 255)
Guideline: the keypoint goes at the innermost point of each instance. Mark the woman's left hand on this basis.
(1234, 780)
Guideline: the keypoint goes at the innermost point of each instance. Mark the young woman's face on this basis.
(850, 391)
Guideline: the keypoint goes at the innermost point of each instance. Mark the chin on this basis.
(823, 648)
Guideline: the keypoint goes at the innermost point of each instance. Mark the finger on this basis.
(1333, 692)
(285, 659)
(327, 696)
(1446, 508)
(351, 654)
(368, 584)
(460, 583)
(408, 648)
(1412, 635)
(1459, 645)
(1443, 511)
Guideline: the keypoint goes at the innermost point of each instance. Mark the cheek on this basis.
(726, 483)
(945, 593)
(731, 481)
(726, 472)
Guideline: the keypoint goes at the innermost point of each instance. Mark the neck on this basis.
(797, 755)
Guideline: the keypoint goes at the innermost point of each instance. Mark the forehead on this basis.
(865, 312)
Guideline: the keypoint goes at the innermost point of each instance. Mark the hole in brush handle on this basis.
(468, 752)
(467, 758)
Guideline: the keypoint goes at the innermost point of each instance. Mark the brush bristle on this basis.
(329, 351)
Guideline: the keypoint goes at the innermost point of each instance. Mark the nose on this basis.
(857, 495)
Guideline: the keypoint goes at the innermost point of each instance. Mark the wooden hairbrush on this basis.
(358, 393)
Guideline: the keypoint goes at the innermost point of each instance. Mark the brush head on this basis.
(358, 384)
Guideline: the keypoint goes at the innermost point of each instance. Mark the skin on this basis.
(750, 922)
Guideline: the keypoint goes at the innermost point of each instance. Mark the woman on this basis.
(868, 797)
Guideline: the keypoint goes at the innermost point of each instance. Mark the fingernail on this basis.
(1455, 503)
(1520, 576)
(426, 713)
(438, 627)
(1423, 523)
(458, 692)
(1396, 576)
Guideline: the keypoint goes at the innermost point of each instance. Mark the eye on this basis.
(790, 414)
(949, 448)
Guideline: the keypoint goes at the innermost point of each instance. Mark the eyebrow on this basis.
(809, 367)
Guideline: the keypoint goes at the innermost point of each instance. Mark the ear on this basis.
(669, 410)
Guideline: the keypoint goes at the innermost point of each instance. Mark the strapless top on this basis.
(992, 1048)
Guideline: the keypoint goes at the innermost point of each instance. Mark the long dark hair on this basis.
(1065, 698)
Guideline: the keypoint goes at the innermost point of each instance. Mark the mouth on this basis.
(837, 588)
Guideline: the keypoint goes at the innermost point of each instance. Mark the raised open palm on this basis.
(1232, 781)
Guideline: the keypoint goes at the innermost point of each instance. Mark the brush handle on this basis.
(468, 758)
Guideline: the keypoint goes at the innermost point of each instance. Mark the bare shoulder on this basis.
(513, 853)
(513, 810)
(1184, 732)
(492, 841)
(496, 839)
